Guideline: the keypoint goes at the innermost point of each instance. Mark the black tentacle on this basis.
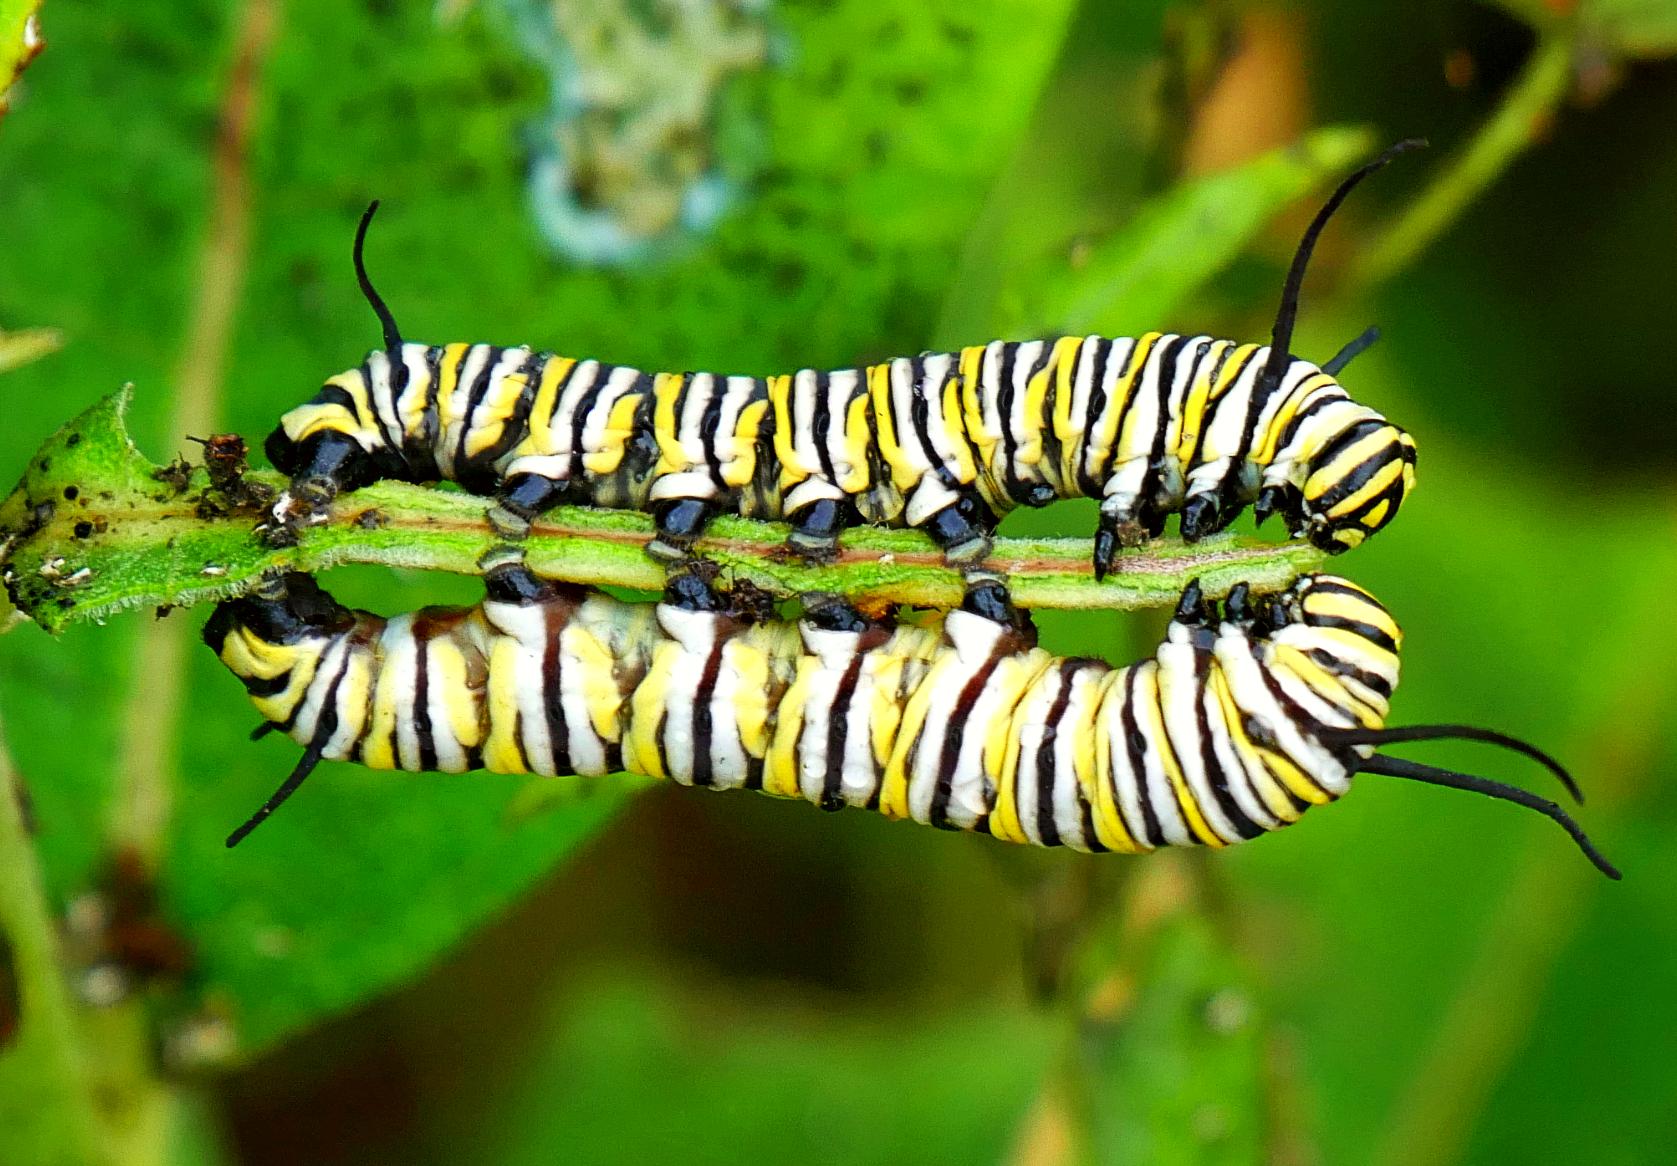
(1415, 771)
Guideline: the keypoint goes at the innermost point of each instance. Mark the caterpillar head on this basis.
(283, 610)
(1349, 484)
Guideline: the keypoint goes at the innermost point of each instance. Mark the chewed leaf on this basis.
(95, 528)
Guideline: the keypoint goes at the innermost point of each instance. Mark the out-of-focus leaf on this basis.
(1631, 28)
(838, 247)
(1135, 280)
(20, 42)
(1636, 28)
(623, 1075)
(95, 528)
(18, 348)
(1178, 1074)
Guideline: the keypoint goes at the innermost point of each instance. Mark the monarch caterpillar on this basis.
(1241, 721)
(944, 442)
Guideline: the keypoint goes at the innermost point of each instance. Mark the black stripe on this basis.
(479, 390)
(338, 395)
(709, 422)
(820, 423)
(702, 728)
(517, 424)
(1300, 718)
(1216, 777)
(1135, 743)
(1004, 409)
(1367, 631)
(1140, 376)
(558, 727)
(258, 686)
(838, 734)
(1323, 399)
(953, 735)
(386, 438)
(585, 406)
(920, 417)
(1369, 680)
(422, 696)
(1010, 437)
(1347, 437)
(1101, 354)
(1046, 827)
(1169, 373)
(1261, 393)
(1361, 474)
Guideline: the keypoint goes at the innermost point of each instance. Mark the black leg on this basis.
(963, 530)
(680, 521)
(816, 529)
(521, 499)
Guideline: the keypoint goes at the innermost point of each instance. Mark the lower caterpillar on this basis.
(945, 442)
(1241, 721)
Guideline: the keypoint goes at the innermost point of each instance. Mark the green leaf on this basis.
(1635, 28)
(18, 348)
(20, 43)
(95, 528)
(1133, 281)
(1179, 1075)
(621, 1076)
(839, 243)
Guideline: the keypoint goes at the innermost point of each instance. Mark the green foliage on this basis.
(1138, 277)
(1425, 975)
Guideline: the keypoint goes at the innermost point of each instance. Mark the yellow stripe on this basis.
(738, 470)
(1102, 796)
(964, 469)
(1151, 705)
(893, 793)
(1234, 725)
(1194, 407)
(857, 438)
(1103, 447)
(666, 390)
(641, 753)
(780, 768)
(972, 401)
(1066, 387)
(448, 378)
(1327, 477)
(1264, 447)
(539, 439)
(502, 753)
(792, 469)
(903, 473)
(493, 413)
(620, 424)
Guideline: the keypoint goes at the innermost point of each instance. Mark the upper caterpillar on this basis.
(944, 442)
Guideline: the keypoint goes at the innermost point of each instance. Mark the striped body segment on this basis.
(958, 721)
(945, 442)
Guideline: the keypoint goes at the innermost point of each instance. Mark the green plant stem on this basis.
(49, 1021)
(1512, 129)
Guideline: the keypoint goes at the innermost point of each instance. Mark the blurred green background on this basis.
(475, 969)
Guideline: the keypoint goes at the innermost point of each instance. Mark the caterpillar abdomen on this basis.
(1151, 426)
(1240, 722)
(946, 442)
